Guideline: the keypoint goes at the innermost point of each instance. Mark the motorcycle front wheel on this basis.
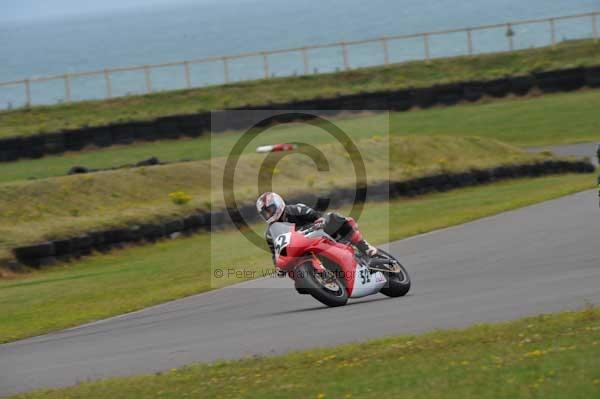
(398, 283)
(324, 287)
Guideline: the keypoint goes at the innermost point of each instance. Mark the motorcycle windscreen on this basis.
(279, 228)
(281, 235)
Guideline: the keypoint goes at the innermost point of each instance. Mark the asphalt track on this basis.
(579, 150)
(542, 258)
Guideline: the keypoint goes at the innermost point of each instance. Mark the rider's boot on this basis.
(359, 242)
(366, 248)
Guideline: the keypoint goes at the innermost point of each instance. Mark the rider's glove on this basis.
(319, 223)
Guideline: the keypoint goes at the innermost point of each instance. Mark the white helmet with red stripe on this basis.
(270, 206)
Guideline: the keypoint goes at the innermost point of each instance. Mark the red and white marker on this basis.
(276, 148)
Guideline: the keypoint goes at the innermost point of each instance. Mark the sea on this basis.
(195, 30)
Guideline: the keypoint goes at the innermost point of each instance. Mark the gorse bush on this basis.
(180, 197)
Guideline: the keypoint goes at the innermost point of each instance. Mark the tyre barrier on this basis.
(497, 87)
(195, 125)
(65, 249)
(473, 91)
(521, 85)
(557, 81)
(592, 76)
(101, 137)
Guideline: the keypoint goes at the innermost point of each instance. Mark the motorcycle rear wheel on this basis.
(328, 290)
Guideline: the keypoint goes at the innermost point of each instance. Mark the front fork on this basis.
(317, 264)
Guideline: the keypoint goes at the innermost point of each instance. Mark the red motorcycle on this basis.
(333, 271)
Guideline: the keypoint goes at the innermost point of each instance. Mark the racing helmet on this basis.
(270, 206)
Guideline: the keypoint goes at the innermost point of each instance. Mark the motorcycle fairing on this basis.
(293, 248)
(366, 282)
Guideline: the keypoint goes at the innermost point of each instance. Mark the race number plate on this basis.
(281, 242)
(367, 283)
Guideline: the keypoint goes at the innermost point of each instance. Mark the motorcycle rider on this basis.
(273, 209)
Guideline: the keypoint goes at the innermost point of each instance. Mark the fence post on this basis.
(509, 35)
(108, 83)
(148, 79)
(67, 88)
(345, 56)
(266, 64)
(595, 26)
(188, 78)
(470, 41)
(426, 45)
(27, 84)
(305, 60)
(226, 69)
(386, 53)
(552, 33)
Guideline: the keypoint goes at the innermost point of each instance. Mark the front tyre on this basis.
(399, 282)
(324, 287)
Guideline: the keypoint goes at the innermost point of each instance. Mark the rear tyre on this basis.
(398, 283)
(325, 288)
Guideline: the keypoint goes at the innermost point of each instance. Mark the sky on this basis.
(19, 10)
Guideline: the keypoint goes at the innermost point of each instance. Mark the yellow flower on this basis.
(180, 197)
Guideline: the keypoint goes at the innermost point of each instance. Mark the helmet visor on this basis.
(268, 211)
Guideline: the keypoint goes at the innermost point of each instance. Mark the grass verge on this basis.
(488, 66)
(134, 278)
(67, 206)
(551, 119)
(548, 356)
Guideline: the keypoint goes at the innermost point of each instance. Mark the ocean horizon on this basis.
(179, 32)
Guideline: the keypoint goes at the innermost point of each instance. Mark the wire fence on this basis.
(332, 57)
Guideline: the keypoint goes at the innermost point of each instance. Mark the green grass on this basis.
(551, 119)
(66, 206)
(547, 356)
(556, 119)
(92, 113)
(134, 278)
